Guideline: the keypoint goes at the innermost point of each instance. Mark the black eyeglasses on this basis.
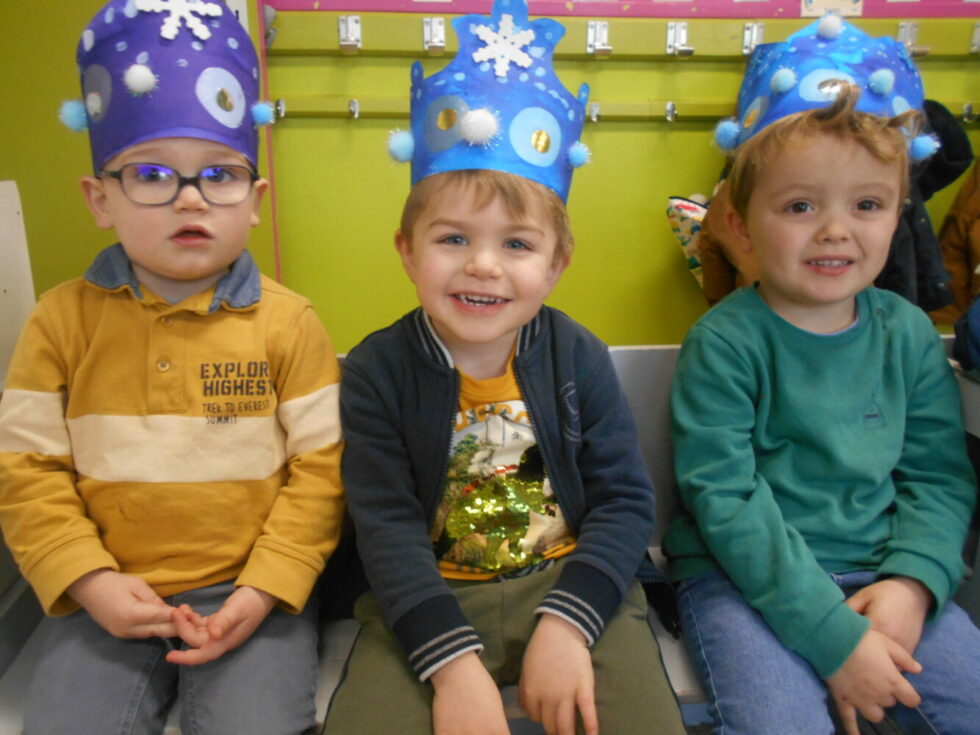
(154, 184)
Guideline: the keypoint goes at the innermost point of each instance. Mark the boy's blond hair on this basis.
(518, 195)
(883, 137)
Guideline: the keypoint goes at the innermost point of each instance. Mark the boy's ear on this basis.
(404, 248)
(259, 188)
(93, 190)
(557, 268)
(739, 229)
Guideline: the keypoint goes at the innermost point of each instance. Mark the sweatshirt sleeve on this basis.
(934, 482)
(713, 413)
(618, 520)
(392, 533)
(43, 519)
(303, 525)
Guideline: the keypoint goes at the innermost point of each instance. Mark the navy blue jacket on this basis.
(399, 398)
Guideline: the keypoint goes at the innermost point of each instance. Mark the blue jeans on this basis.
(756, 686)
(88, 682)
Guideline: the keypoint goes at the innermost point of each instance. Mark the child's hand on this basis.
(211, 637)
(871, 679)
(896, 607)
(467, 701)
(126, 606)
(557, 678)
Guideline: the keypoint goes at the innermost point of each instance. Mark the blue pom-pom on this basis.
(401, 145)
(922, 146)
(73, 115)
(726, 134)
(783, 80)
(882, 81)
(263, 113)
(579, 154)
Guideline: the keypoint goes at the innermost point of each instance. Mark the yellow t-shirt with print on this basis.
(498, 513)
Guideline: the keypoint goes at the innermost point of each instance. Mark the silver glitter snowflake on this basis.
(181, 11)
(503, 46)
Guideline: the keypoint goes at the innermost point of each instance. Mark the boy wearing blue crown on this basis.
(491, 464)
(819, 447)
(169, 430)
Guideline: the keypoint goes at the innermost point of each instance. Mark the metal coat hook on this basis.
(968, 115)
(594, 112)
(349, 32)
(279, 109)
(354, 108)
(670, 112)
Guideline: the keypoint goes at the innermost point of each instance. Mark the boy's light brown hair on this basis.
(518, 195)
(885, 138)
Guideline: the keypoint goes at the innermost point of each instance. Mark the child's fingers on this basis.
(906, 693)
(531, 705)
(848, 718)
(586, 708)
(196, 618)
(872, 713)
(902, 658)
(219, 624)
(154, 630)
(563, 722)
(191, 634)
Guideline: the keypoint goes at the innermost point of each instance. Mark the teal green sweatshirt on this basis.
(799, 454)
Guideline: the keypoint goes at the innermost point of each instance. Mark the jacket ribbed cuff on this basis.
(434, 633)
(583, 596)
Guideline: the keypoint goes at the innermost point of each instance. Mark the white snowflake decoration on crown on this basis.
(503, 46)
(182, 10)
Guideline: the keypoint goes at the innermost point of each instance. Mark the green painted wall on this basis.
(339, 195)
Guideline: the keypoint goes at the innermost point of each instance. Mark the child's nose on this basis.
(190, 198)
(482, 263)
(833, 228)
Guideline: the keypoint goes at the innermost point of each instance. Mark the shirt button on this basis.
(163, 365)
(167, 321)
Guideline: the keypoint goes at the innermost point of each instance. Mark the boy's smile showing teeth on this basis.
(479, 300)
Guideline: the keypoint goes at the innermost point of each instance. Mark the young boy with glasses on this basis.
(169, 434)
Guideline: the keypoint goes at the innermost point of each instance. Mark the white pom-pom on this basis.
(140, 79)
(882, 81)
(830, 27)
(783, 80)
(478, 127)
(401, 145)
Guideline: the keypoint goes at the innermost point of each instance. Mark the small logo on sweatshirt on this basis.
(873, 418)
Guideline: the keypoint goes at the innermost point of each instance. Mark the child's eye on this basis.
(799, 207)
(453, 240)
(148, 173)
(868, 205)
(218, 175)
(516, 245)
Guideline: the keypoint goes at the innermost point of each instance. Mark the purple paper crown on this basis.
(167, 69)
(497, 105)
(804, 72)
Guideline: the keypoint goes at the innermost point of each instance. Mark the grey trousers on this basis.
(88, 682)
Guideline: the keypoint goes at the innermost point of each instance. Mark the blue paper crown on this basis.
(497, 105)
(804, 71)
